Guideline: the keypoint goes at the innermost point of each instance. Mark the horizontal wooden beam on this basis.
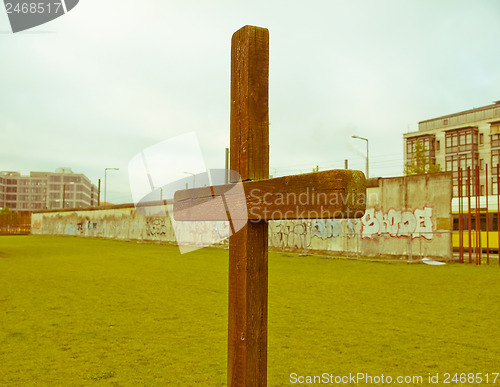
(319, 195)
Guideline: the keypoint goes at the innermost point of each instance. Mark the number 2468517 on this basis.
(47, 7)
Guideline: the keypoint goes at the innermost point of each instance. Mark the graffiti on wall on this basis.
(299, 234)
(156, 226)
(397, 223)
(222, 230)
(290, 234)
(82, 228)
(332, 228)
(87, 225)
(199, 233)
(70, 229)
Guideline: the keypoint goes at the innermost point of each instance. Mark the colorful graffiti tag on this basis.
(398, 223)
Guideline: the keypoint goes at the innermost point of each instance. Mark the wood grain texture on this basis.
(249, 156)
(320, 195)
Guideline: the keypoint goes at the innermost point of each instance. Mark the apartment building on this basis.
(461, 140)
(46, 190)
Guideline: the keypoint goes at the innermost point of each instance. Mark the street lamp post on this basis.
(190, 173)
(105, 172)
(367, 163)
(161, 192)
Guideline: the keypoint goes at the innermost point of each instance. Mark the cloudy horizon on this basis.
(97, 86)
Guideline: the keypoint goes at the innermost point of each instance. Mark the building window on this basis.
(495, 140)
(481, 138)
(445, 122)
(462, 153)
(494, 164)
(438, 145)
(72, 179)
(428, 141)
(461, 140)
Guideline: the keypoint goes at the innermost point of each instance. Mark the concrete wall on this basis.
(406, 216)
(116, 223)
(410, 216)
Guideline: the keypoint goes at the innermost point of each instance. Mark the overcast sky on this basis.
(98, 85)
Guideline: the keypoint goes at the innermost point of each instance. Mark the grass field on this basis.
(78, 312)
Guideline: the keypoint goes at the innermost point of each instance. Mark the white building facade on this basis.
(466, 139)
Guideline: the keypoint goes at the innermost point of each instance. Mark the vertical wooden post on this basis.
(248, 276)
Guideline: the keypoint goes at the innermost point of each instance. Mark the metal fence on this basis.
(477, 214)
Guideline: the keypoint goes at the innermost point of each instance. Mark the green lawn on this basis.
(78, 312)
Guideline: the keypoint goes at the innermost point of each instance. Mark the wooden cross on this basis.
(320, 195)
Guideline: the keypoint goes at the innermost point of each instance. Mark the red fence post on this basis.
(478, 216)
(460, 218)
(15, 223)
(487, 217)
(498, 212)
(469, 215)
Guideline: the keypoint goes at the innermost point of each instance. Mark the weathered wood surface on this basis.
(319, 195)
(249, 156)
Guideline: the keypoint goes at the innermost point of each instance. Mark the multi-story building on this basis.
(462, 140)
(46, 190)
